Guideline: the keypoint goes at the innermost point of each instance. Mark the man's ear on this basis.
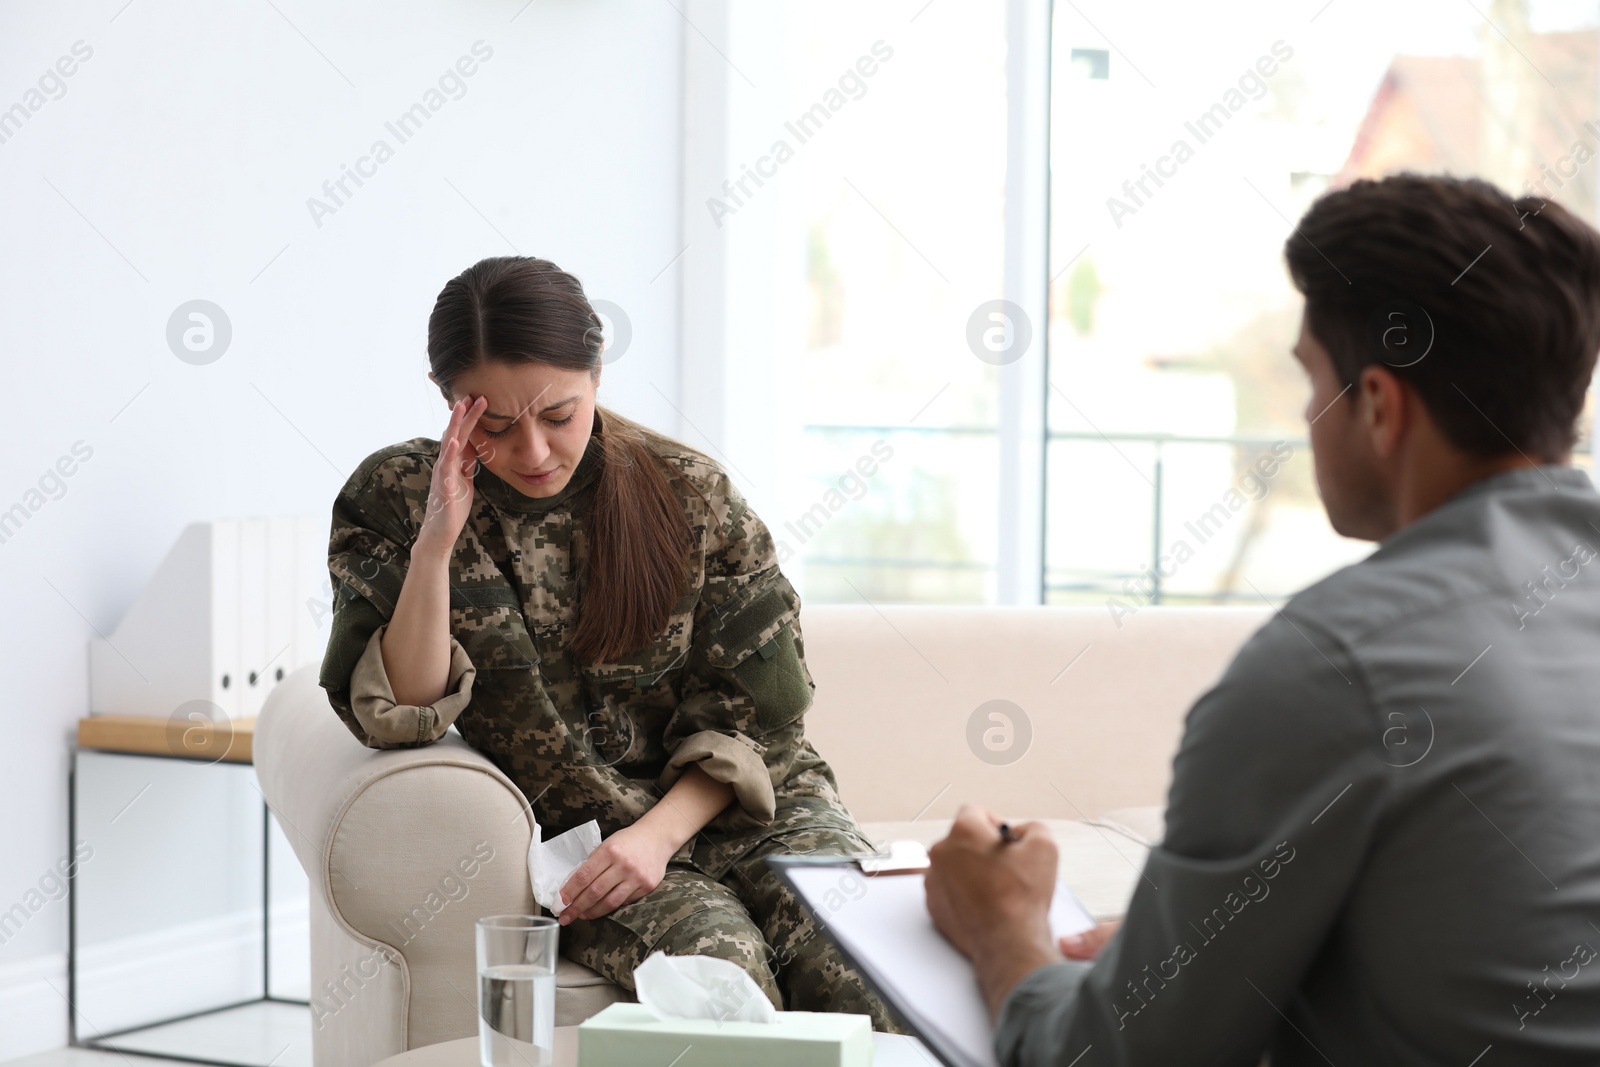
(1386, 408)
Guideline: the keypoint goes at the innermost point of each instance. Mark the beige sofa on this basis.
(1050, 713)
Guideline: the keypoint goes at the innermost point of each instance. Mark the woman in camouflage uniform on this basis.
(599, 612)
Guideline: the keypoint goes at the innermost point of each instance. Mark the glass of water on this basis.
(517, 990)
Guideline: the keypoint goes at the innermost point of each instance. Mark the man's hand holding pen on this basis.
(989, 886)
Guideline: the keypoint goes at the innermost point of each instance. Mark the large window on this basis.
(901, 201)
(1181, 144)
(1179, 161)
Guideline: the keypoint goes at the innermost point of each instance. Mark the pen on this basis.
(1006, 834)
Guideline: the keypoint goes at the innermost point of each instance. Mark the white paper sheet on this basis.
(883, 923)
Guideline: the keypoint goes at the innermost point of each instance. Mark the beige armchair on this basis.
(1058, 714)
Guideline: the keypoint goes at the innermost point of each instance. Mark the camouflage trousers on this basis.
(748, 917)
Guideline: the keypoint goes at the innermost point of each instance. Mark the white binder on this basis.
(282, 590)
(232, 598)
(252, 610)
(312, 609)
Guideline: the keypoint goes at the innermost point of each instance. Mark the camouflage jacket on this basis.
(724, 685)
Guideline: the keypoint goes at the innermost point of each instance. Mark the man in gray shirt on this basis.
(1383, 830)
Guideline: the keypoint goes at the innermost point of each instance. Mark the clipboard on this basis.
(873, 909)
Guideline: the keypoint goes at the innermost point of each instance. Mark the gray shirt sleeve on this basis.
(1276, 789)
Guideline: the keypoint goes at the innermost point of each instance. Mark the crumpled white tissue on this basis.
(700, 987)
(551, 863)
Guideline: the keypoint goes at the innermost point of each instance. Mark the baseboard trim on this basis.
(146, 978)
(178, 970)
(33, 1005)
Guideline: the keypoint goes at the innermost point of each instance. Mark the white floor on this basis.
(264, 1034)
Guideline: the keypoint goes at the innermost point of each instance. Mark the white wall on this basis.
(176, 164)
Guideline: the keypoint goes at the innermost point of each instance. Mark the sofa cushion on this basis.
(581, 993)
(1144, 825)
(1087, 709)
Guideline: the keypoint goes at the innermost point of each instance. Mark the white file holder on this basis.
(236, 605)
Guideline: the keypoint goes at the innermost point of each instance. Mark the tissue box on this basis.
(626, 1035)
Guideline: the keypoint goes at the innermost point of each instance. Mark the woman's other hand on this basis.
(450, 495)
(626, 866)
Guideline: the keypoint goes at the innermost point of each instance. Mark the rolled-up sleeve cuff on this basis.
(1036, 1014)
(727, 758)
(390, 723)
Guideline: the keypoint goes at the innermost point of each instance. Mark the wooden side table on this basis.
(197, 741)
(144, 735)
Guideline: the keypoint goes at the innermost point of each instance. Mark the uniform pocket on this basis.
(777, 680)
(756, 639)
(750, 620)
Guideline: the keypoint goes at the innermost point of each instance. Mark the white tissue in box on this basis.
(700, 987)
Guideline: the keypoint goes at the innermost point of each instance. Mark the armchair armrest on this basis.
(404, 849)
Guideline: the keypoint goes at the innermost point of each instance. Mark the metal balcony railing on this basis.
(1159, 441)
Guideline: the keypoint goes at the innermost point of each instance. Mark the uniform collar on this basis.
(508, 498)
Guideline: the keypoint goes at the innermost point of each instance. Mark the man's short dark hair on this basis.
(1488, 306)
